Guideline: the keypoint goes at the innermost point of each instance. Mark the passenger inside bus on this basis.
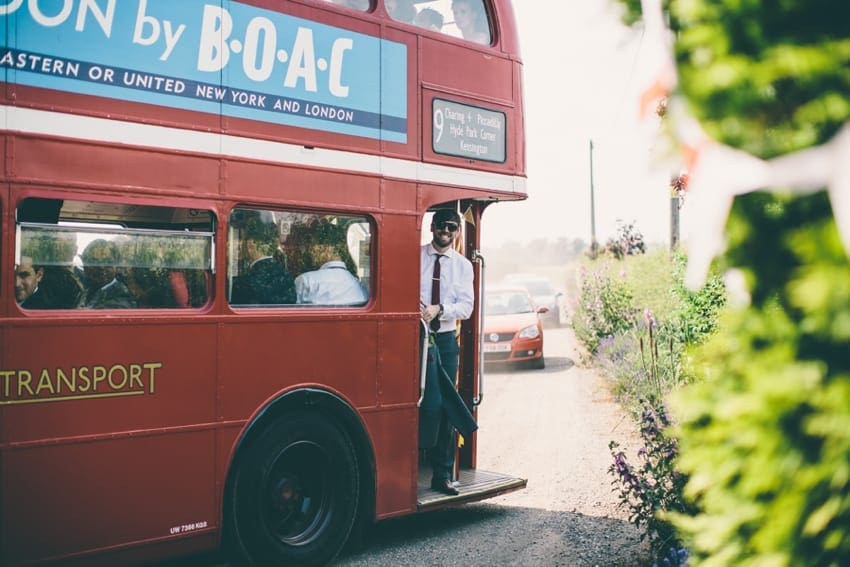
(103, 288)
(28, 276)
(59, 288)
(62, 282)
(401, 10)
(263, 277)
(161, 255)
(164, 271)
(429, 18)
(471, 19)
(329, 276)
(51, 254)
(157, 287)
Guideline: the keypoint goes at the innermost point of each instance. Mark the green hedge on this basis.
(764, 432)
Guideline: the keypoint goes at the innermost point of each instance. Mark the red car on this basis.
(513, 332)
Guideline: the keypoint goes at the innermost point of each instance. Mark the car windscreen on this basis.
(507, 303)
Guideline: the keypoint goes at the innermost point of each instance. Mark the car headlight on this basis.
(531, 332)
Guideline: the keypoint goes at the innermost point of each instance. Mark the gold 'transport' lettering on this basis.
(23, 386)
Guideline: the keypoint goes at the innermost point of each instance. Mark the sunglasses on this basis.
(451, 226)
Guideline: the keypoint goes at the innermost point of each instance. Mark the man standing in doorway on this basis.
(446, 295)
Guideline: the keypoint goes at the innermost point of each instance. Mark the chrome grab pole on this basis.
(478, 258)
(424, 361)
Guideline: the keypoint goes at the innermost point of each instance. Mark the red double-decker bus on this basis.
(169, 380)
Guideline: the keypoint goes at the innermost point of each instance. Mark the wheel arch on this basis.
(330, 406)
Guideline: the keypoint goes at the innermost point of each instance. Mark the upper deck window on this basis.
(465, 19)
(359, 5)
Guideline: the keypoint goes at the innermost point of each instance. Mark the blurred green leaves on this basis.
(765, 76)
(764, 429)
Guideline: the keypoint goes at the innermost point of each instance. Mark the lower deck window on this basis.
(286, 258)
(90, 255)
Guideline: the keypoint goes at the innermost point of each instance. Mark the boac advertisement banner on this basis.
(222, 57)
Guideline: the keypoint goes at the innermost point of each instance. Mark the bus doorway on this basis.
(451, 383)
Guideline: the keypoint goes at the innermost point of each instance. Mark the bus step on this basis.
(473, 485)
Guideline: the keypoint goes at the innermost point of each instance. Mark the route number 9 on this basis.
(438, 125)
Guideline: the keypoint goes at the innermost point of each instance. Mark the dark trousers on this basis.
(442, 455)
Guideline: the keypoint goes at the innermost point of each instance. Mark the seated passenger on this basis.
(28, 276)
(151, 286)
(103, 289)
(196, 283)
(63, 288)
(265, 280)
(471, 20)
(331, 280)
(158, 283)
(430, 19)
(61, 280)
(57, 286)
(401, 10)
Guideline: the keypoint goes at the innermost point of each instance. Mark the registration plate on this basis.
(505, 347)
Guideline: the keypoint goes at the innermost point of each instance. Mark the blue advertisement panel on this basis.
(217, 57)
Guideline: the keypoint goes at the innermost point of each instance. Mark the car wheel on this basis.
(295, 493)
(538, 363)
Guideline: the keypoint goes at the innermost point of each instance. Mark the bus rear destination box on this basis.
(468, 131)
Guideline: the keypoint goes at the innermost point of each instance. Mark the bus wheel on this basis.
(295, 493)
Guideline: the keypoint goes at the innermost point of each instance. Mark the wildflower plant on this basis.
(643, 363)
(629, 242)
(652, 487)
(697, 312)
(605, 308)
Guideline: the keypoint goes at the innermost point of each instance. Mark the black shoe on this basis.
(444, 486)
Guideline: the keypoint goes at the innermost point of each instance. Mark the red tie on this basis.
(435, 291)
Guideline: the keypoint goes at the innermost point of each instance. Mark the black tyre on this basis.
(294, 495)
(538, 363)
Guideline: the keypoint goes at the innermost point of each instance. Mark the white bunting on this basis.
(718, 173)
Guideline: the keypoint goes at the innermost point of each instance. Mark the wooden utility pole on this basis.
(678, 186)
(674, 221)
(593, 244)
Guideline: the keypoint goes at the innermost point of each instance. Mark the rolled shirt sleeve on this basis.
(461, 299)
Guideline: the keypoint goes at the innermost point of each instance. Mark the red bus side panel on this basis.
(114, 166)
(273, 358)
(97, 503)
(161, 410)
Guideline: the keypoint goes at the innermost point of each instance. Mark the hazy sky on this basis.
(580, 67)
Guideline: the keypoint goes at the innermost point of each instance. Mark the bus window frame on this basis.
(232, 245)
(115, 227)
(94, 229)
(370, 9)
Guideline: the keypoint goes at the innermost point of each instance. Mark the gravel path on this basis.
(553, 428)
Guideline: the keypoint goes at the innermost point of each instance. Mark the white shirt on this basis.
(332, 284)
(456, 285)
